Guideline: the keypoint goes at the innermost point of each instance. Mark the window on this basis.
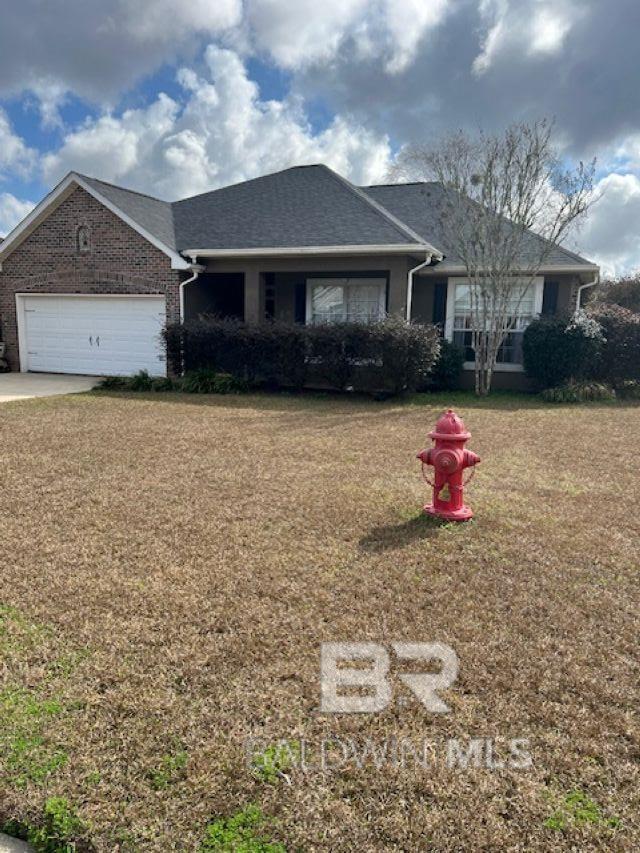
(338, 300)
(83, 244)
(525, 304)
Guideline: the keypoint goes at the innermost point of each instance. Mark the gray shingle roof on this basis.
(421, 206)
(302, 206)
(153, 215)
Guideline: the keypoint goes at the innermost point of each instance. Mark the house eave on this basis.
(459, 269)
(303, 251)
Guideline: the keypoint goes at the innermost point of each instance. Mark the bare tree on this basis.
(507, 202)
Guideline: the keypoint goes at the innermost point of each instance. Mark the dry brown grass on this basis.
(200, 550)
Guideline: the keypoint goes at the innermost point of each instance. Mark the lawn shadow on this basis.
(389, 536)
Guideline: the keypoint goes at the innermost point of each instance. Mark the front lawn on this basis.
(172, 563)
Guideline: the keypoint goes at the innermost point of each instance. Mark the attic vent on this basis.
(83, 243)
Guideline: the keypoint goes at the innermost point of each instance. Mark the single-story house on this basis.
(90, 276)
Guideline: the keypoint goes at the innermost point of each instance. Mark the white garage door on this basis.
(100, 335)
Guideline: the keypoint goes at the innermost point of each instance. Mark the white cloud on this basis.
(97, 50)
(407, 21)
(494, 13)
(12, 211)
(15, 156)
(51, 96)
(625, 154)
(548, 30)
(221, 132)
(305, 33)
(531, 29)
(157, 20)
(112, 147)
(611, 235)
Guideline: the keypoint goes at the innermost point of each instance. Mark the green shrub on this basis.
(623, 291)
(162, 383)
(227, 383)
(620, 357)
(447, 370)
(628, 390)
(579, 392)
(335, 349)
(408, 352)
(141, 381)
(557, 350)
(291, 359)
(389, 355)
(207, 381)
(238, 834)
(112, 383)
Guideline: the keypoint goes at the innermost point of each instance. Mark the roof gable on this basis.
(305, 206)
(119, 201)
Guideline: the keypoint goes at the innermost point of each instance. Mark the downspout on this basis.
(596, 279)
(196, 269)
(425, 263)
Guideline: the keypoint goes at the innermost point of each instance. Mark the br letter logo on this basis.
(366, 688)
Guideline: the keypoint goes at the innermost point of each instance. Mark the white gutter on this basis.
(300, 251)
(425, 263)
(196, 269)
(582, 287)
(454, 269)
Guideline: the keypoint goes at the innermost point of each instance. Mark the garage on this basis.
(93, 335)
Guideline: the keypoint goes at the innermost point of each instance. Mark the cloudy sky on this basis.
(175, 98)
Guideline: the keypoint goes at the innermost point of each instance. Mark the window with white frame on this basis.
(340, 300)
(525, 303)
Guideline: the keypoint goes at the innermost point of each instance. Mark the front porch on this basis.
(362, 288)
(300, 290)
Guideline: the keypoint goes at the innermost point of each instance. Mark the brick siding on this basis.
(119, 261)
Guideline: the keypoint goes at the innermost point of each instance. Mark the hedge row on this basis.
(390, 355)
(602, 345)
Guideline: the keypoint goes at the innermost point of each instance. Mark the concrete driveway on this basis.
(12, 845)
(22, 386)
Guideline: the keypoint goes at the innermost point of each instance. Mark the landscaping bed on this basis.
(173, 562)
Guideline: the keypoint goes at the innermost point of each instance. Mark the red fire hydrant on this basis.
(449, 459)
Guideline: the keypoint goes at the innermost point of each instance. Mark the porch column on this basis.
(398, 285)
(252, 296)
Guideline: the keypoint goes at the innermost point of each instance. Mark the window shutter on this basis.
(550, 297)
(301, 302)
(439, 302)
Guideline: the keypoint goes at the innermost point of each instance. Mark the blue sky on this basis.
(177, 103)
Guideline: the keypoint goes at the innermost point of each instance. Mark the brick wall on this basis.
(119, 261)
